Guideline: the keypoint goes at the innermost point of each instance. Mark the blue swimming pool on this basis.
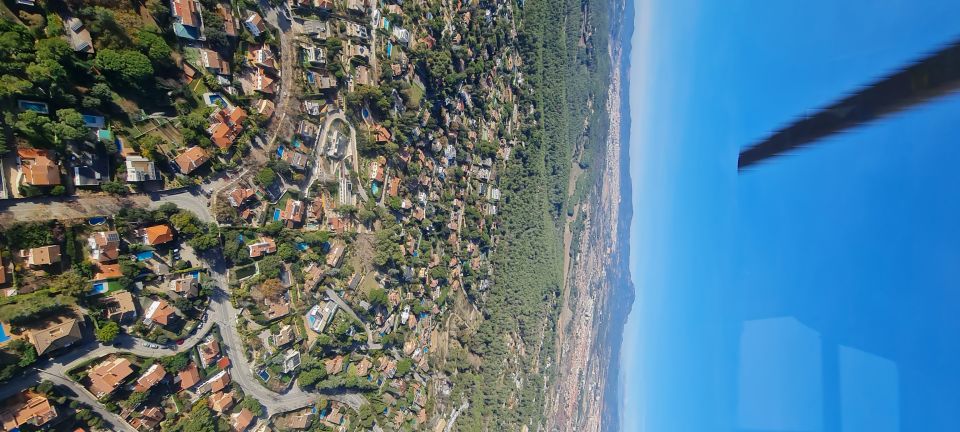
(280, 151)
(264, 375)
(303, 246)
(310, 78)
(375, 188)
(295, 142)
(195, 274)
(3, 333)
(39, 107)
(145, 255)
(96, 220)
(276, 214)
(99, 288)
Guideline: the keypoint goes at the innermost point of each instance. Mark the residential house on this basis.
(265, 108)
(314, 56)
(187, 21)
(108, 375)
(157, 234)
(226, 125)
(37, 167)
(78, 35)
(241, 421)
(106, 272)
(334, 365)
(262, 56)
(358, 51)
(284, 336)
(357, 6)
(276, 308)
(319, 317)
(149, 419)
(361, 76)
(154, 374)
(187, 286)
(263, 83)
(211, 60)
(56, 335)
(216, 383)
(357, 31)
(291, 361)
(240, 195)
(26, 408)
(297, 160)
(189, 377)
(209, 352)
(229, 26)
(255, 24)
(221, 402)
(159, 312)
(104, 246)
(120, 306)
(363, 367)
(140, 169)
(265, 245)
(293, 213)
(191, 159)
(41, 256)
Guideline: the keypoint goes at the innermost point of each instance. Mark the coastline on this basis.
(598, 291)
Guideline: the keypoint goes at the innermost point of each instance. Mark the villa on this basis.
(191, 159)
(58, 334)
(107, 376)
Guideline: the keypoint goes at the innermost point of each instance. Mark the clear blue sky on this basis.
(821, 291)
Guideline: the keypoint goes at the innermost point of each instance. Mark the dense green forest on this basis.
(568, 72)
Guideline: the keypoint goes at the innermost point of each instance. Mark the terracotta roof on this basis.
(26, 408)
(150, 378)
(56, 335)
(334, 365)
(266, 245)
(240, 195)
(158, 234)
(159, 312)
(106, 376)
(220, 381)
(37, 167)
(44, 255)
(3, 272)
(293, 212)
(221, 402)
(185, 286)
(189, 376)
(121, 303)
(186, 11)
(104, 245)
(107, 271)
(241, 420)
(208, 352)
(191, 159)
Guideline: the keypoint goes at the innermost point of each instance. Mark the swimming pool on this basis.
(99, 288)
(38, 107)
(280, 151)
(264, 375)
(195, 274)
(96, 220)
(303, 246)
(276, 214)
(145, 255)
(375, 188)
(295, 142)
(3, 333)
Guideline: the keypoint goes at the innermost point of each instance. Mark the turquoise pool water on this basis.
(303, 246)
(99, 288)
(375, 188)
(276, 214)
(145, 255)
(3, 333)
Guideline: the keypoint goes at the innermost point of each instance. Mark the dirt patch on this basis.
(363, 252)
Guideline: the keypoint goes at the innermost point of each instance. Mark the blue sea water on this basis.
(817, 291)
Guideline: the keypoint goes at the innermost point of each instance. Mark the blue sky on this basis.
(818, 292)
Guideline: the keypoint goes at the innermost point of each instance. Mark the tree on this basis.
(272, 289)
(270, 267)
(404, 366)
(114, 187)
(206, 241)
(287, 252)
(108, 332)
(175, 363)
(252, 405)
(377, 297)
(154, 47)
(125, 67)
(265, 177)
(69, 125)
(58, 190)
